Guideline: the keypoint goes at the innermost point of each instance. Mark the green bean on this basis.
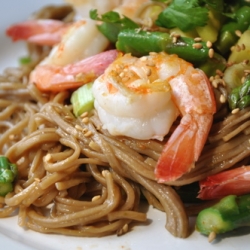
(240, 96)
(228, 37)
(8, 173)
(140, 42)
(229, 213)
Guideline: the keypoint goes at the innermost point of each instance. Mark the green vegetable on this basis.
(243, 2)
(239, 55)
(24, 60)
(234, 74)
(112, 24)
(82, 99)
(217, 62)
(240, 96)
(229, 213)
(139, 43)
(8, 173)
(227, 37)
(187, 15)
(183, 14)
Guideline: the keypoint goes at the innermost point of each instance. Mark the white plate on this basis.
(142, 237)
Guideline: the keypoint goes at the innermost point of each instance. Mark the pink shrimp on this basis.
(57, 78)
(43, 32)
(193, 95)
(75, 60)
(235, 181)
(142, 97)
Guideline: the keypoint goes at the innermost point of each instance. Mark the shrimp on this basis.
(57, 78)
(41, 32)
(86, 40)
(81, 35)
(72, 43)
(50, 32)
(65, 67)
(142, 97)
(234, 181)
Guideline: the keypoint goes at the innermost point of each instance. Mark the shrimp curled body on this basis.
(142, 97)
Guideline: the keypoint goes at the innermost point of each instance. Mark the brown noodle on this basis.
(76, 179)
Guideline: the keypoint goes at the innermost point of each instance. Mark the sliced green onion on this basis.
(82, 99)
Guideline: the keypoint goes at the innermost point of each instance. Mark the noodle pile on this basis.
(92, 181)
(76, 179)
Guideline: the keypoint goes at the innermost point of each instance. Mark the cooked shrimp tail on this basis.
(231, 182)
(184, 147)
(57, 78)
(192, 94)
(43, 32)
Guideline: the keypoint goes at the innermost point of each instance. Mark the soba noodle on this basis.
(76, 179)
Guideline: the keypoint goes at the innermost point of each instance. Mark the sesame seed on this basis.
(175, 35)
(216, 81)
(211, 236)
(88, 134)
(246, 71)
(143, 59)
(215, 84)
(84, 114)
(94, 146)
(48, 158)
(97, 197)
(222, 99)
(78, 127)
(209, 44)
(211, 78)
(197, 39)
(67, 117)
(238, 33)
(211, 53)
(122, 74)
(197, 45)
(84, 130)
(98, 127)
(104, 173)
(243, 79)
(125, 228)
(234, 111)
(37, 179)
(85, 120)
(174, 39)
